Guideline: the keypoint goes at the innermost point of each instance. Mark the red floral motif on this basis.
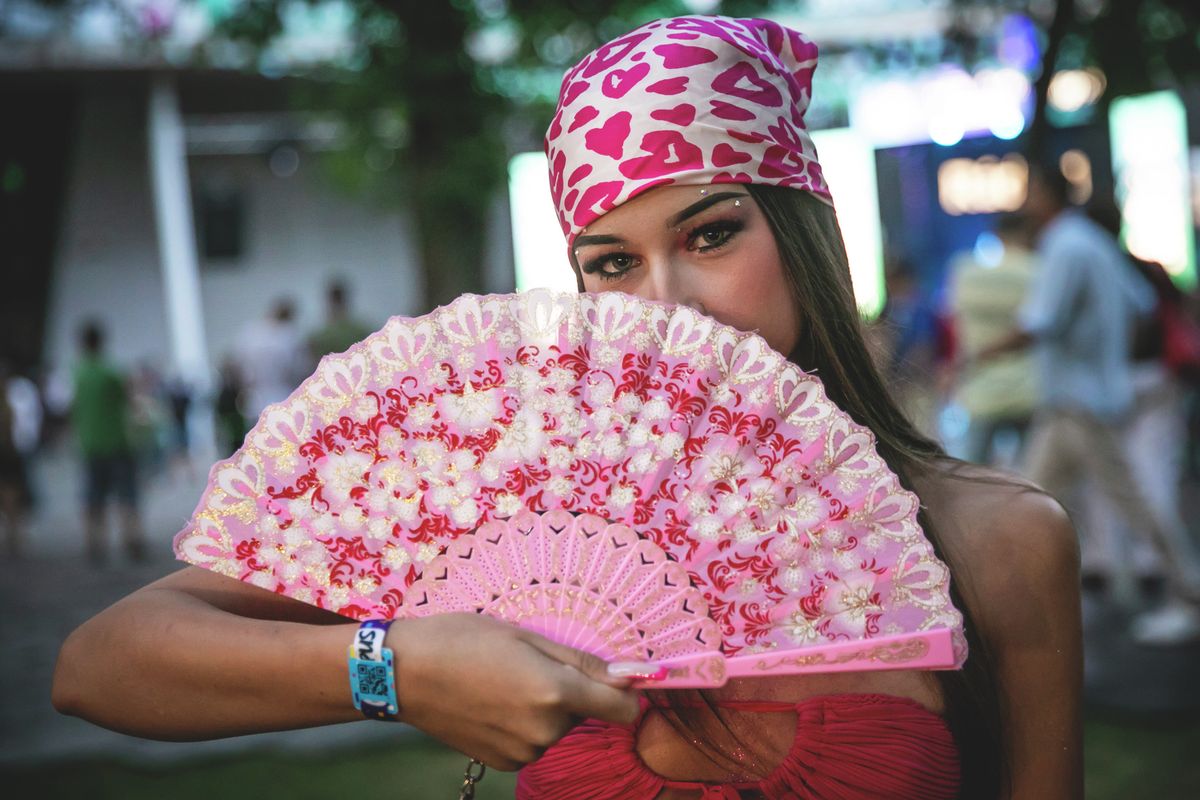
(247, 552)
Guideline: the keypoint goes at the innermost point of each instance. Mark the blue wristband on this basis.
(373, 672)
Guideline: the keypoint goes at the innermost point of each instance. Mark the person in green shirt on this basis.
(99, 415)
(340, 329)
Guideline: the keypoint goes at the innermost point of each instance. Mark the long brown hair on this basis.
(833, 347)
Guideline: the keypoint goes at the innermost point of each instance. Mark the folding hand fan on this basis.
(629, 478)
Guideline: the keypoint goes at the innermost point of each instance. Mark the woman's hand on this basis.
(496, 692)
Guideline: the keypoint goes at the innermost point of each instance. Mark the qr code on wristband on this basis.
(372, 679)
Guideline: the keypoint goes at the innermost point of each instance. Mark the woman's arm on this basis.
(1027, 585)
(199, 656)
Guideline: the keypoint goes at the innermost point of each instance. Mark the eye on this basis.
(713, 235)
(609, 266)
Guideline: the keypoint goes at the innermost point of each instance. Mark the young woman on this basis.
(683, 173)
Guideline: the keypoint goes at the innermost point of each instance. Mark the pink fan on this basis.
(625, 477)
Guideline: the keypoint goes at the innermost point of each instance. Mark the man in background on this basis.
(340, 330)
(99, 415)
(1079, 319)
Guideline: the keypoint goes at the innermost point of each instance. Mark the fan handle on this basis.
(926, 650)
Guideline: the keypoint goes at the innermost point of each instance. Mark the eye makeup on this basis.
(608, 266)
(713, 235)
(704, 237)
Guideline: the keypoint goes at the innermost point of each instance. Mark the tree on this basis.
(446, 120)
(1140, 45)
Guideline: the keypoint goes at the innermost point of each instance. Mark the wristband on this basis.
(373, 672)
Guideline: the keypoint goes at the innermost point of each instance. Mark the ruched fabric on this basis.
(847, 747)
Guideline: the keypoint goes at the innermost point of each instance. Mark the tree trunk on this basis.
(453, 158)
(1039, 128)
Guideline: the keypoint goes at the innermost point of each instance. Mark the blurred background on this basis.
(200, 198)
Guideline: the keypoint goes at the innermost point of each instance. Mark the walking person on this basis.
(100, 417)
(1079, 319)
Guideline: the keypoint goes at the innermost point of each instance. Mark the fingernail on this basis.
(642, 670)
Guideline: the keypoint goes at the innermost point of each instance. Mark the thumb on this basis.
(589, 689)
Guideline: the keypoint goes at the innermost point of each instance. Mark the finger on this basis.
(592, 666)
(588, 689)
(586, 697)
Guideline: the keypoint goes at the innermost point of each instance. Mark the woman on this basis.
(669, 187)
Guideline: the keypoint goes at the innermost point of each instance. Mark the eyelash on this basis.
(729, 227)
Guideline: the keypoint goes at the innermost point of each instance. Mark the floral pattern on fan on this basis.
(700, 438)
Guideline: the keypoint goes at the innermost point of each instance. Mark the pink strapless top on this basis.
(847, 746)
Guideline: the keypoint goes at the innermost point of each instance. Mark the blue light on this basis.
(1019, 46)
(946, 130)
(988, 250)
(1008, 124)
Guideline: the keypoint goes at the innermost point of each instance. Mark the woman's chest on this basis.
(731, 745)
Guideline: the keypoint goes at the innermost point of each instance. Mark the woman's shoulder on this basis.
(1012, 547)
(977, 508)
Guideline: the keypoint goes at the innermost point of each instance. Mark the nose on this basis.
(668, 283)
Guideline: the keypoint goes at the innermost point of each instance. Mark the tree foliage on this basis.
(1139, 45)
(430, 124)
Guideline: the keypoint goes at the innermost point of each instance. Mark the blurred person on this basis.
(25, 400)
(1155, 436)
(100, 417)
(987, 289)
(57, 389)
(26, 403)
(1080, 316)
(341, 329)
(201, 655)
(911, 341)
(231, 422)
(272, 358)
(179, 402)
(14, 476)
(148, 419)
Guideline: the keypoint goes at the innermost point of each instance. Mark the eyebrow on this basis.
(695, 208)
(700, 205)
(584, 241)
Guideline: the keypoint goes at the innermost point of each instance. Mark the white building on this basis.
(268, 221)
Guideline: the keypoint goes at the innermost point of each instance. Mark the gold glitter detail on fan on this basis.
(892, 653)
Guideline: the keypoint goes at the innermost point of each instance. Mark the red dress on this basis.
(847, 747)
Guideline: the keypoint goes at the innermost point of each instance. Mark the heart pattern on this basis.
(682, 115)
(609, 138)
(722, 88)
(618, 82)
(668, 86)
(669, 152)
(724, 155)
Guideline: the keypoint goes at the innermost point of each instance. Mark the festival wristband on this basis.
(373, 672)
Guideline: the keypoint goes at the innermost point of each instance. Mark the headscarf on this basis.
(683, 101)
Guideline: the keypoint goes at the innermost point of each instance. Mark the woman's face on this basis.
(707, 247)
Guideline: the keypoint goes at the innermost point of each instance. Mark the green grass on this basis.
(1125, 759)
(415, 770)
(1131, 759)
